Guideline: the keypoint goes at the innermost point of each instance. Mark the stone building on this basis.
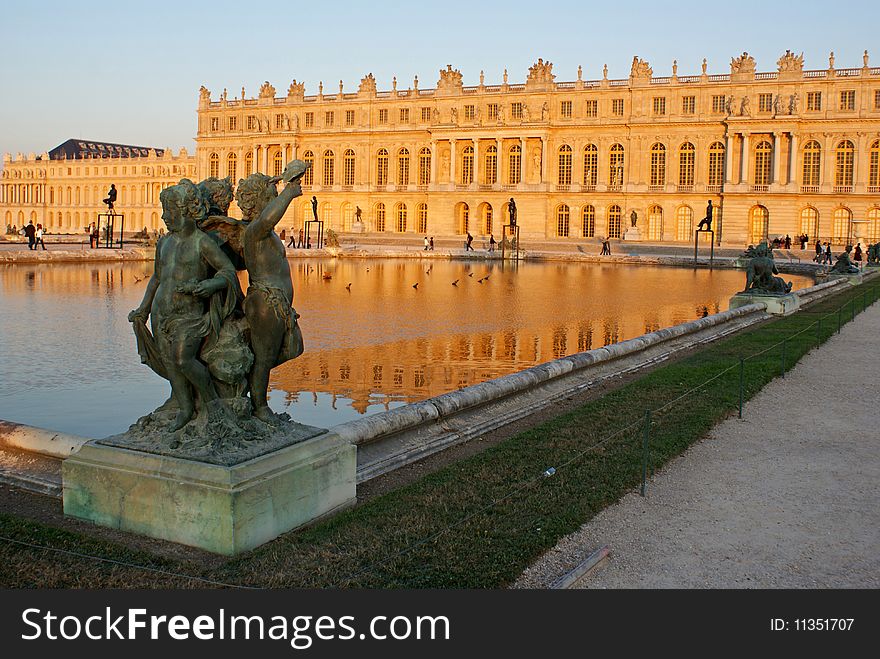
(789, 151)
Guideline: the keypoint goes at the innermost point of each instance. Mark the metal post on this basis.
(742, 368)
(645, 450)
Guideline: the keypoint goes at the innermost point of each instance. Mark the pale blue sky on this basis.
(130, 72)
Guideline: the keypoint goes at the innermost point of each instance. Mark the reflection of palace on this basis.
(787, 151)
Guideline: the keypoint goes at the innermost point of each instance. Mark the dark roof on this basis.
(74, 148)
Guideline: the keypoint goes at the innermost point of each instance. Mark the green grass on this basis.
(477, 523)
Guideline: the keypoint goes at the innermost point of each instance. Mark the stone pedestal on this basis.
(358, 227)
(854, 279)
(632, 235)
(778, 305)
(223, 509)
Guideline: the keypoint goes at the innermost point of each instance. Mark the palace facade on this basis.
(790, 151)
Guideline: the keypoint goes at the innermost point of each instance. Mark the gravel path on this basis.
(785, 498)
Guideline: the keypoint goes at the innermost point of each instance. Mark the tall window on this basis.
(328, 118)
(843, 174)
(591, 109)
(514, 161)
(688, 104)
(814, 101)
(617, 107)
(841, 226)
(658, 165)
(563, 215)
(383, 116)
(588, 221)
(403, 167)
(279, 121)
(310, 119)
(615, 165)
(614, 216)
(716, 164)
(655, 223)
(763, 156)
(214, 165)
(759, 224)
(467, 165)
(491, 167)
(349, 117)
(874, 166)
(812, 163)
(659, 106)
(348, 167)
(426, 115)
(233, 123)
(469, 112)
(329, 168)
(848, 99)
(810, 222)
(591, 165)
(382, 167)
(765, 102)
(249, 165)
(309, 176)
(564, 165)
(487, 219)
(404, 115)
(516, 110)
(277, 163)
(874, 225)
(686, 159)
(684, 223)
(401, 218)
(424, 167)
(380, 217)
(231, 165)
(565, 109)
(719, 103)
(422, 218)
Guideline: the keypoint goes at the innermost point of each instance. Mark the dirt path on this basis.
(785, 498)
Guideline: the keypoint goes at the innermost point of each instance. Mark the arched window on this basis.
(277, 163)
(563, 168)
(422, 218)
(347, 216)
(231, 166)
(810, 222)
(687, 156)
(812, 164)
(487, 219)
(614, 215)
(403, 167)
(491, 169)
(684, 223)
(658, 165)
(327, 214)
(563, 220)
(249, 168)
(843, 174)
(329, 168)
(763, 158)
(591, 165)
(214, 165)
(467, 166)
(874, 167)
(615, 166)
(759, 224)
(841, 226)
(655, 223)
(382, 167)
(588, 221)
(348, 167)
(424, 167)
(380, 217)
(401, 218)
(873, 218)
(514, 161)
(309, 176)
(716, 164)
(463, 212)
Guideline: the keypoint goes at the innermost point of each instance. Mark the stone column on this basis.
(476, 142)
(792, 159)
(830, 162)
(434, 155)
(777, 160)
(861, 156)
(453, 158)
(266, 159)
(543, 160)
(522, 160)
(730, 139)
(499, 168)
(744, 164)
(256, 159)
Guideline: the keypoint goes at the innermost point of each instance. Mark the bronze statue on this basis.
(111, 198)
(706, 221)
(511, 207)
(760, 273)
(844, 266)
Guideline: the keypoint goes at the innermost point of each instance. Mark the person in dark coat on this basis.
(31, 232)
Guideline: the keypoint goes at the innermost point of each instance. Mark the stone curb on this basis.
(39, 440)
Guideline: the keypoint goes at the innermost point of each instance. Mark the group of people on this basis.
(825, 257)
(297, 242)
(34, 235)
(429, 244)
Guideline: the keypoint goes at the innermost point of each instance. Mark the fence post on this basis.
(783, 358)
(645, 450)
(742, 367)
(819, 332)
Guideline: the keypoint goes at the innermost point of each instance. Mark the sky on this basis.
(130, 72)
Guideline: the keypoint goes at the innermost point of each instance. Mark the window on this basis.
(814, 101)
(716, 164)
(759, 224)
(588, 225)
(251, 123)
(467, 166)
(491, 168)
(422, 218)
(659, 105)
(591, 109)
(843, 174)
(469, 112)
(565, 109)
(617, 107)
(279, 121)
(686, 159)
(810, 222)
(516, 110)
(719, 104)
(249, 166)
(877, 99)
(233, 123)
(874, 166)
(841, 226)
(763, 157)
(614, 215)
(383, 116)
(615, 165)
(348, 167)
(658, 165)
(812, 164)
(349, 117)
(214, 166)
(487, 219)
(403, 167)
(380, 217)
(424, 168)
(874, 225)
(688, 104)
(401, 218)
(684, 223)
(329, 168)
(215, 123)
(514, 162)
(591, 165)
(563, 215)
(765, 102)
(277, 163)
(426, 115)
(848, 99)
(382, 168)
(655, 223)
(309, 176)
(493, 111)
(404, 115)
(328, 118)
(564, 165)
(310, 120)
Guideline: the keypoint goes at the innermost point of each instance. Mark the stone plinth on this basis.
(778, 305)
(853, 279)
(632, 235)
(223, 509)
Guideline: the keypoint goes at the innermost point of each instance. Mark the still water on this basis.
(68, 359)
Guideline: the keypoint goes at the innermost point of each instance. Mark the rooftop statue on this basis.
(267, 90)
(368, 84)
(449, 79)
(745, 63)
(760, 279)
(640, 68)
(791, 62)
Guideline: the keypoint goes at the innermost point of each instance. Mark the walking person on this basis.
(431, 244)
(300, 243)
(857, 255)
(818, 257)
(31, 232)
(426, 243)
(491, 242)
(38, 239)
(467, 244)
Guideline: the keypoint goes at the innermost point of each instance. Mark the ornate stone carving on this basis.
(793, 102)
(744, 64)
(296, 89)
(267, 90)
(540, 75)
(204, 94)
(744, 110)
(450, 80)
(790, 62)
(367, 85)
(640, 69)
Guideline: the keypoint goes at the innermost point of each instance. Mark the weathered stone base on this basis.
(632, 235)
(778, 305)
(223, 509)
(854, 279)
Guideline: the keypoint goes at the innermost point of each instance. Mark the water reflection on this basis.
(373, 341)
